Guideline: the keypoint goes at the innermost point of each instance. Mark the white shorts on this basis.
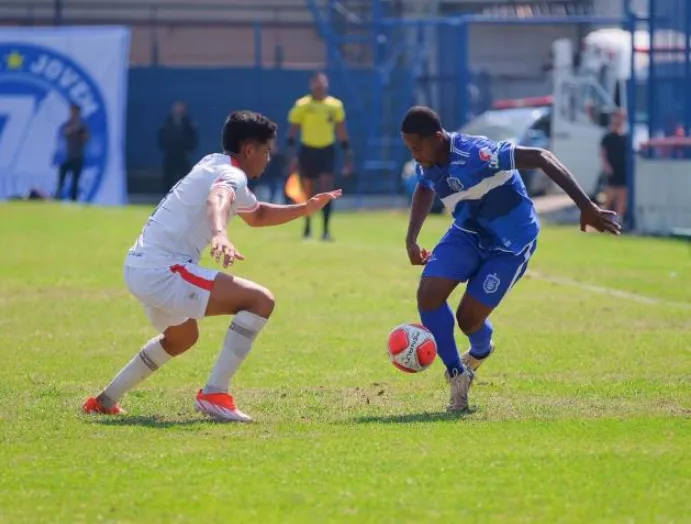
(171, 295)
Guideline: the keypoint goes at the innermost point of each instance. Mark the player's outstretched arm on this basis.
(591, 214)
(273, 215)
(423, 198)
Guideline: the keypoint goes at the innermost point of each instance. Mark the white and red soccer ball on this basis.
(412, 347)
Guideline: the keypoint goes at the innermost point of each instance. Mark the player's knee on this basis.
(264, 303)
(177, 341)
(428, 299)
(469, 322)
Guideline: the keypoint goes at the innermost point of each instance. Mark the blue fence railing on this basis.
(661, 39)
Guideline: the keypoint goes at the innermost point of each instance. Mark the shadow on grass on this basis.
(152, 421)
(412, 418)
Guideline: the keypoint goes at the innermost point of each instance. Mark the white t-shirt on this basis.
(178, 230)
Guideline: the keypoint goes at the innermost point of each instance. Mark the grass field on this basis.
(583, 411)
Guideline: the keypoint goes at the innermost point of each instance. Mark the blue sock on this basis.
(480, 341)
(442, 323)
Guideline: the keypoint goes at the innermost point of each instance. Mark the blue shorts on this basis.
(490, 274)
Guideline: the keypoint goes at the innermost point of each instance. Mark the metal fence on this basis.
(458, 64)
(661, 77)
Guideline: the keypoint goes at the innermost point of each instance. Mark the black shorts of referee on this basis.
(316, 161)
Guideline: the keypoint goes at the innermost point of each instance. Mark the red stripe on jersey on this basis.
(234, 161)
(193, 279)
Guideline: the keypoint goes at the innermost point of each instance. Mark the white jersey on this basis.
(178, 230)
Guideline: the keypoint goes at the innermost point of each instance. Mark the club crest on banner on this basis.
(37, 86)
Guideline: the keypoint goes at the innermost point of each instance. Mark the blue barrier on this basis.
(210, 95)
(658, 90)
(661, 75)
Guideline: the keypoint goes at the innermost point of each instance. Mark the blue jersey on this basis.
(482, 189)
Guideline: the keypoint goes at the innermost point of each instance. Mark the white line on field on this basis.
(600, 290)
(607, 291)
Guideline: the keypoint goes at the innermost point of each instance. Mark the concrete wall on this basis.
(219, 46)
(515, 55)
(616, 7)
(176, 33)
(662, 195)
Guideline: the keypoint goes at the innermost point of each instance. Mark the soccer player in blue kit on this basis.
(493, 235)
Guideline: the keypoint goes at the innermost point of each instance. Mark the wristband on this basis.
(291, 141)
(345, 145)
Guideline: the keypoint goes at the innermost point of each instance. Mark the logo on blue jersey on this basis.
(37, 85)
(494, 160)
(492, 157)
(491, 283)
(455, 184)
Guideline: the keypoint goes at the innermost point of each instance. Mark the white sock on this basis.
(151, 357)
(236, 346)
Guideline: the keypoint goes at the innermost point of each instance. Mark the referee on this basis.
(320, 120)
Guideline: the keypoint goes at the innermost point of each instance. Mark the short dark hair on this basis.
(421, 120)
(243, 126)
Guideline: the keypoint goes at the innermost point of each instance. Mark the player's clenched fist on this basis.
(319, 200)
(418, 256)
(223, 249)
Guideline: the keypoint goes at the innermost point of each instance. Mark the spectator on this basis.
(177, 139)
(614, 153)
(76, 135)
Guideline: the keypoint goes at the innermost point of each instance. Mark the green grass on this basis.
(583, 411)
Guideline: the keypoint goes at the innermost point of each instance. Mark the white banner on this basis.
(43, 72)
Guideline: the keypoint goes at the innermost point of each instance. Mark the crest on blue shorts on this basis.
(491, 283)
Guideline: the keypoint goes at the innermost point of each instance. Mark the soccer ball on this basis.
(412, 347)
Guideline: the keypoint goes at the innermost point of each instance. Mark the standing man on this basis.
(320, 119)
(614, 148)
(177, 139)
(76, 135)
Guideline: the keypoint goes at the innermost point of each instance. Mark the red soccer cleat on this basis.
(93, 406)
(220, 406)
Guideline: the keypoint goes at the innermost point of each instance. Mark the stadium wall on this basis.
(662, 189)
(210, 94)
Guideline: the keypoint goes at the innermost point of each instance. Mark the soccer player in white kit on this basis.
(162, 271)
